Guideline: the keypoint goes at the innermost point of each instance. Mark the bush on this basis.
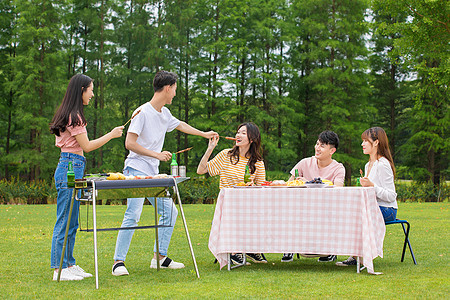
(200, 190)
(205, 190)
(22, 192)
(277, 175)
(422, 191)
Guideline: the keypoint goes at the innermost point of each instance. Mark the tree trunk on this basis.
(392, 107)
(186, 98)
(12, 54)
(102, 80)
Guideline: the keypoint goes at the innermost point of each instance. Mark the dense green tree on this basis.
(389, 80)
(424, 47)
(212, 107)
(295, 68)
(268, 102)
(7, 51)
(336, 83)
(37, 78)
(135, 58)
(180, 27)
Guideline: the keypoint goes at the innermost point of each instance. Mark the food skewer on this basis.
(184, 150)
(361, 172)
(131, 118)
(229, 138)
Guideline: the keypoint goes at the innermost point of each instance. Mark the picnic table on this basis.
(335, 220)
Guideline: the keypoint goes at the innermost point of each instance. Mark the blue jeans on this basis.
(62, 210)
(389, 213)
(167, 210)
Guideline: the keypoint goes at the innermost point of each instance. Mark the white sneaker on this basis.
(78, 271)
(167, 263)
(66, 275)
(118, 269)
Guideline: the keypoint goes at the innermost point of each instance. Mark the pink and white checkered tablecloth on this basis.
(341, 221)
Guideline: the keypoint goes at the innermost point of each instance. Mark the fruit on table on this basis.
(315, 180)
(120, 176)
(295, 183)
(116, 176)
(142, 177)
(320, 181)
(161, 176)
(278, 183)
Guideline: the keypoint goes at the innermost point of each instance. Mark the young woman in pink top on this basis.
(69, 126)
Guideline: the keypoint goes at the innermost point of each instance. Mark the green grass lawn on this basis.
(26, 232)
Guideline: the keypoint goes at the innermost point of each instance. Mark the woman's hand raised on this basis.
(117, 131)
(213, 142)
(365, 182)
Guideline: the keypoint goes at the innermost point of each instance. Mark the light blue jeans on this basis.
(167, 210)
(62, 210)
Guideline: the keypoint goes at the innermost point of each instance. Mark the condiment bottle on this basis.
(174, 166)
(70, 176)
(247, 174)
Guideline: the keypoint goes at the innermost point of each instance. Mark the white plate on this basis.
(285, 186)
(247, 187)
(317, 185)
(269, 186)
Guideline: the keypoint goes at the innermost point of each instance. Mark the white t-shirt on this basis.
(151, 127)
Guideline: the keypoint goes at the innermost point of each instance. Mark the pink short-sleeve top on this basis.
(67, 141)
(309, 169)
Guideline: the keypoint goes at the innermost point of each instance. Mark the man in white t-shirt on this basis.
(322, 166)
(145, 140)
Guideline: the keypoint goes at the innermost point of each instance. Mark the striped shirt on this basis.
(232, 174)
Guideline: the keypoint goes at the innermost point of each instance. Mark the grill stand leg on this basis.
(186, 229)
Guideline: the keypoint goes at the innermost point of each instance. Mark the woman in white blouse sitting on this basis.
(379, 173)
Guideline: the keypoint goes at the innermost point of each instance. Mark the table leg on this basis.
(357, 264)
(186, 229)
(66, 235)
(94, 221)
(156, 234)
(229, 261)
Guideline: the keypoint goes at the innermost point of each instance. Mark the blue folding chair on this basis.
(406, 232)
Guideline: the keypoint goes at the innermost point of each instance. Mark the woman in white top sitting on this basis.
(379, 173)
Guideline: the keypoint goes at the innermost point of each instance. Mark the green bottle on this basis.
(247, 174)
(70, 176)
(174, 166)
(357, 182)
(296, 173)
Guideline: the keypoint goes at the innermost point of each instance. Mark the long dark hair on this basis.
(253, 154)
(378, 133)
(72, 105)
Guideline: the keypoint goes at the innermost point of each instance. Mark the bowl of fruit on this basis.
(318, 183)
